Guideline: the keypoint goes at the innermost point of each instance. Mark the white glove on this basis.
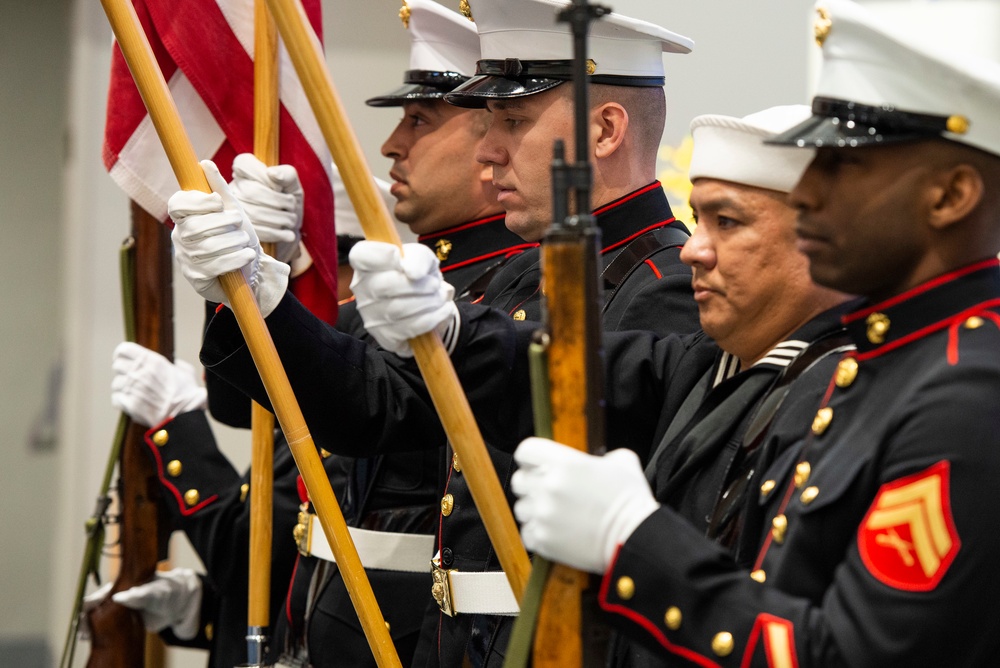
(576, 508)
(213, 236)
(272, 199)
(171, 599)
(149, 388)
(402, 296)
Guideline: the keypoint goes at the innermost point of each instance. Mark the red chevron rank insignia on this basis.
(908, 539)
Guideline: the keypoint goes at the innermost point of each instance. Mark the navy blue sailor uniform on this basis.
(876, 546)
(390, 494)
(646, 287)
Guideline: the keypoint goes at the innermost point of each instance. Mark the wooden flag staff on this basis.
(163, 113)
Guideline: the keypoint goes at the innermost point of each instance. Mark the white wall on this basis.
(62, 219)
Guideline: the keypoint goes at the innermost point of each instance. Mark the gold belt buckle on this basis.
(303, 531)
(441, 589)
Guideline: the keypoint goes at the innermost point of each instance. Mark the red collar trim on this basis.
(930, 329)
(512, 250)
(632, 195)
(923, 287)
(462, 227)
(662, 223)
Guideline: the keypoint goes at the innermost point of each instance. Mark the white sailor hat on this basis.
(879, 85)
(525, 50)
(733, 149)
(444, 48)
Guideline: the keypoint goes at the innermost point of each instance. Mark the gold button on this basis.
(209, 631)
(722, 643)
(174, 468)
(802, 471)
(191, 497)
(519, 314)
(822, 420)
(847, 371)
(758, 575)
(387, 627)
(161, 437)
(673, 618)
(324, 453)
(957, 124)
(454, 463)
(244, 490)
(809, 495)
(625, 587)
(779, 525)
(878, 327)
(447, 504)
(975, 322)
(767, 487)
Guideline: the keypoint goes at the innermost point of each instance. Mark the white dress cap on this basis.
(523, 42)
(444, 48)
(732, 149)
(879, 85)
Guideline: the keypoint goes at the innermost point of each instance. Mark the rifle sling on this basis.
(635, 253)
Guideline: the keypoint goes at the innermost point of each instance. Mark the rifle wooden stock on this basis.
(569, 274)
(163, 113)
(118, 636)
(265, 146)
(435, 365)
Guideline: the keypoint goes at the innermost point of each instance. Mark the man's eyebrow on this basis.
(504, 105)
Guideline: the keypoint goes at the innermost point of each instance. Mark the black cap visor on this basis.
(419, 85)
(841, 123)
(475, 92)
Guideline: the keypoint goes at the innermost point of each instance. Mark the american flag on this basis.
(205, 51)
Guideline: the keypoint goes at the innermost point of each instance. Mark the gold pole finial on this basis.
(404, 14)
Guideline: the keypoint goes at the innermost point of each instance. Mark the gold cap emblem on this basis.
(465, 9)
(591, 66)
(822, 26)
(404, 14)
(442, 249)
(878, 327)
(957, 124)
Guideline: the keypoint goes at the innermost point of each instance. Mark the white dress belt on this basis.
(407, 552)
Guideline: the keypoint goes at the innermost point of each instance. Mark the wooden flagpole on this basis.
(166, 120)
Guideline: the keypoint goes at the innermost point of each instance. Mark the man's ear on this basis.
(955, 194)
(609, 123)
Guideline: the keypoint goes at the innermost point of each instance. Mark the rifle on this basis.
(118, 636)
(572, 320)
